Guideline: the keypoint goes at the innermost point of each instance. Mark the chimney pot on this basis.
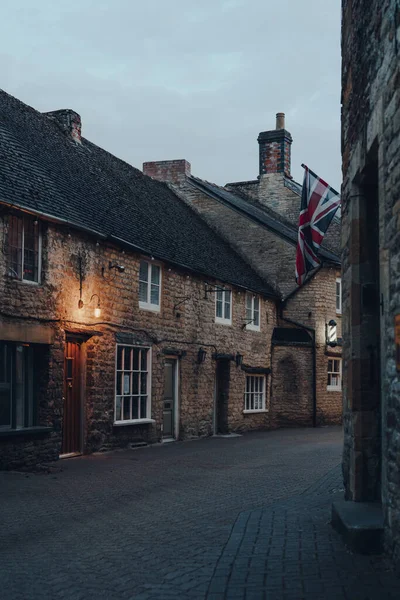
(280, 120)
(274, 149)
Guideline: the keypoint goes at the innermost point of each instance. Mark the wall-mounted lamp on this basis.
(331, 333)
(97, 310)
(119, 268)
(201, 355)
(238, 359)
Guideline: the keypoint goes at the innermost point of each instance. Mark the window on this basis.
(132, 399)
(254, 396)
(335, 374)
(339, 295)
(17, 407)
(149, 285)
(24, 248)
(223, 306)
(252, 312)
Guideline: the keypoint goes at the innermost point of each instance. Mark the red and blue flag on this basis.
(319, 203)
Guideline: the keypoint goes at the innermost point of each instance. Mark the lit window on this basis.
(223, 306)
(17, 403)
(252, 312)
(339, 295)
(149, 286)
(335, 374)
(254, 395)
(132, 387)
(24, 248)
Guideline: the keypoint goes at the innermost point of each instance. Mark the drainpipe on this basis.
(314, 361)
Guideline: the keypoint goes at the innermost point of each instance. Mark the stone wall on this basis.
(292, 394)
(371, 254)
(185, 322)
(271, 256)
(313, 305)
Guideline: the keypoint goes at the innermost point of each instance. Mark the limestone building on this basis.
(259, 220)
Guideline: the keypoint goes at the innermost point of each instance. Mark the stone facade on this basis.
(371, 252)
(44, 315)
(272, 256)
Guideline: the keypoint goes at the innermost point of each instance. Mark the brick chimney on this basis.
(170, 171)
(69, 121)
(274, 148)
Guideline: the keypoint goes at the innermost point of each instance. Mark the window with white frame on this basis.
(339, 295)
(254, 395)
(223, 306)
(24, 248)
(132, 385)
(149, 285)
(252, 312)
(335, 374)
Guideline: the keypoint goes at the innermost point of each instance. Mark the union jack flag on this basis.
(319, 203)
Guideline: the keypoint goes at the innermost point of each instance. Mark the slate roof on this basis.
(259, 213)
(46, 172)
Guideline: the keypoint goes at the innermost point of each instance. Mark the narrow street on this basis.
(240, 517)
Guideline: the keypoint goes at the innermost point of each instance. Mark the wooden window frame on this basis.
(249, 394)
(225, 292)
(148, 305)
(139, 420)
(338, 297)
(14, 275)
(330, 387)
(251, 326)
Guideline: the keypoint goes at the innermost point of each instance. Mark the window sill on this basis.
(150, 307)
(254, 412)
(223, 321)
(24, 281)
(133, 422)
(249, 328)
(24, 431)
(331, 388)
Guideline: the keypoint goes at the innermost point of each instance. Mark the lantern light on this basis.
(201, 355)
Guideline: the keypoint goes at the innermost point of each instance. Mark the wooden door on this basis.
(169, 398)
(222, 396)
(72, 419)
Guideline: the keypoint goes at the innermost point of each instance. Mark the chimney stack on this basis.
(274, 149)
(169, 171)
(69, 121)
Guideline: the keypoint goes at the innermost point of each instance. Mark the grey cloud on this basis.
(184, 79)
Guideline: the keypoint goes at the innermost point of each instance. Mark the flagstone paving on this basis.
(244, 517)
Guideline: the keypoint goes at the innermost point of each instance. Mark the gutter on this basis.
(314, 361)
(53, 219)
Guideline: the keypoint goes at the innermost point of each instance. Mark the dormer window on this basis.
(252, 312)
(24, 248)
(149, 286)
(223, 306)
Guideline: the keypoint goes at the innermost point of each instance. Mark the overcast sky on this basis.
(193, 79)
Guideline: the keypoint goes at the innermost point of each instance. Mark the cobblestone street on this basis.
(241, 517)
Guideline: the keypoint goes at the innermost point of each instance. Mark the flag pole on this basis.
(315, 175)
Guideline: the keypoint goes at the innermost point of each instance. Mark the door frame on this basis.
(175, 420)
(227, 365)
(77, 339)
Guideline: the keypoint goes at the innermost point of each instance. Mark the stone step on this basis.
(360, 524)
